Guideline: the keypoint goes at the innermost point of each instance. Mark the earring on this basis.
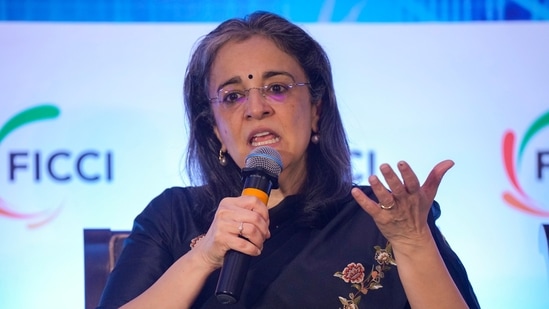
(315, 138)
(222, 158)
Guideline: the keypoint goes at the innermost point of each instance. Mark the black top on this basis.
(344, 261)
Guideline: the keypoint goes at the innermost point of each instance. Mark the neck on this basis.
(275, 198)
(286, 187)
(290, 182)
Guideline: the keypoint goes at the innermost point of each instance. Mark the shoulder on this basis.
(170, 219)
(173, 204)
(173, 197)
(178, 196)
(180, 193)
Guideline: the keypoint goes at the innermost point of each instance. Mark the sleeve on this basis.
(452, 261)
(146, 254)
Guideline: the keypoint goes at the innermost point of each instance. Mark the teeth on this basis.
(267, 142)
(255, 139)
(262, 134)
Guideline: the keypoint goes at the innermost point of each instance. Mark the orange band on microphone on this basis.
(257, 193)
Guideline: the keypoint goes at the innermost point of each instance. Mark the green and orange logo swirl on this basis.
(28, 116)
(512, 158)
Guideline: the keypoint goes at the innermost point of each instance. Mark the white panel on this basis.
(421, 93)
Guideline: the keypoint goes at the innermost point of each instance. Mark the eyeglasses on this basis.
(232, 97)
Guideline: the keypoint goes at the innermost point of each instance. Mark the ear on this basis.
(315, 115)
(216, 131)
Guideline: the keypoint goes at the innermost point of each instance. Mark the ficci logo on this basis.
(512, 158)
(52, 166)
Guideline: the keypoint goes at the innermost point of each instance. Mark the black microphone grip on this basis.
(235, 264)
(260, 175)
(232, 276)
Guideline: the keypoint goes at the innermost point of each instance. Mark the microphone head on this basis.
(265, 158)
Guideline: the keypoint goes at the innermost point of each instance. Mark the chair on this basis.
(546, 228)
(102, 248)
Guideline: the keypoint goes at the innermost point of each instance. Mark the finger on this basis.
(245, 246)
(431, 184)
(251, 234)
(254, 229)
(383, 195)
(245, 209)
(238, 235)
(370, 206)
(236, 217)
(254, 204)
(393, 181)
(411, 182)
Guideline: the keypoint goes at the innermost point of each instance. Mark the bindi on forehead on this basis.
(250, 76)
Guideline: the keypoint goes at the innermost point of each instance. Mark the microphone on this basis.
(260, 174)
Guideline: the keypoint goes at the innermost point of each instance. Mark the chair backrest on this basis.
(546, 228)
(102, 248)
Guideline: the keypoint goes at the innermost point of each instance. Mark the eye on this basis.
(232, 96)
(277, 91)
(277, 88)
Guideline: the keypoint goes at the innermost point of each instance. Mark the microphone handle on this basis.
(232, 276)
(235, 264)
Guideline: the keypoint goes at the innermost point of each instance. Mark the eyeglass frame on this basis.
(261, 89)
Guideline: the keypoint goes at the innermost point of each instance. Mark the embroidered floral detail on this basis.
(195, 240)
(354, 273)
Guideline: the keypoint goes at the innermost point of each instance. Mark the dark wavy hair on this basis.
(329, 177)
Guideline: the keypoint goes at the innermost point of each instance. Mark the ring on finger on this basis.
(387, 207)
(240, 228)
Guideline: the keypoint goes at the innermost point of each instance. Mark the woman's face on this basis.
(256, 120)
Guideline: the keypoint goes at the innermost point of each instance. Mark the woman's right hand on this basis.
(241, 224)
(190, 271)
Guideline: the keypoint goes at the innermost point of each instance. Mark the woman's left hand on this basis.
(401, 214)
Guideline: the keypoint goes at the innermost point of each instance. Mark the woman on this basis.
(320, 242)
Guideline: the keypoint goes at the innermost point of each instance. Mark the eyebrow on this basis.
(266, 75)
(232, 80)
(270, 74)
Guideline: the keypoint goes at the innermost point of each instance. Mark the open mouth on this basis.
(263, 139)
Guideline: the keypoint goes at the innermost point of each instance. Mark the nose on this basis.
(256, 104)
